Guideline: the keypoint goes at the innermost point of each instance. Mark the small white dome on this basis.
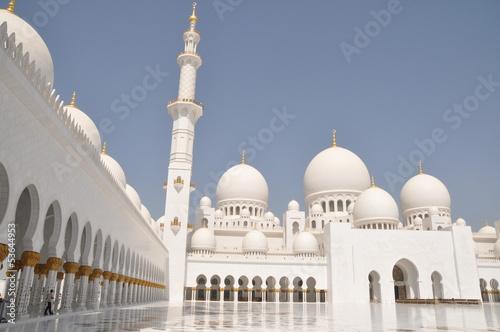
(88, 126)
(496, 249)
(115, 169)
(375, 204)
(133, 195)
(255, 241)
(461, 222)
(203, 239)
(32, 43)
(245, 212)
(418, 221)
(242, 182)
(350, 208)
(293, 205)
(423, 191)
(316, 209)
(305, 243)
(487, 230)
(433, 211)
(205, 202)
(335, 169)
(219, 213)
(269, 215)
(276, 220)
(145, 213)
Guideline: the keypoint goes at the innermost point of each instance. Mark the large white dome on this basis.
(424, 191)
(88, 126)
(305, 243)
(145, 213)
(375, 204)
(255, 241)
(335, 169)
(32, 43)
(242, 182)
(203, 239)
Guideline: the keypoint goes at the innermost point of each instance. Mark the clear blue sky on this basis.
(383, 88)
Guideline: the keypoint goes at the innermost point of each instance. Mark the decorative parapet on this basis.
(186, 100)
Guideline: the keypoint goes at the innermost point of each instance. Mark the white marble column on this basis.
(105, 288)
(119, 289)
(70, 269)
(36, 290)
(126, 287)
(96, 287)
(84, 284)
(58, 297)
(53, 264)
(112, 289)
(28, 261)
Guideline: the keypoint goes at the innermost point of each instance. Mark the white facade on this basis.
(82, 230)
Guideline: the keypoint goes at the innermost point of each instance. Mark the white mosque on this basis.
(68, 205)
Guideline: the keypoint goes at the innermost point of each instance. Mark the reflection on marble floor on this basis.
(201, 316)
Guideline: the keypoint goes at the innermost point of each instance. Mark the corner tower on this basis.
(185, 112)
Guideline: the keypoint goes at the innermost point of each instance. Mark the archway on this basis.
(311, 289)
(201, 281)
(51, 231)
(228, 288)
(437, 285)
(270, 289)
(257, 289)
(70, 238)
(284, 289)
(242, 289)
(494, 290)
(28, 207)
(484, 291)
(85, 244)
(405, 276)
(374, 280)
(214, 288)
(298, 295)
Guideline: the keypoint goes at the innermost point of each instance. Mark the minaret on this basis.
(185, 111)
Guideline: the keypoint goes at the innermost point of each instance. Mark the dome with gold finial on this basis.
(424, 191)
(31, 40)
(84, 121)
(335, 170)
(375, 206)
(487, 230)
(242, 183)
(114, 167)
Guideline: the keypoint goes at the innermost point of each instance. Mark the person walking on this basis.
(50, 299)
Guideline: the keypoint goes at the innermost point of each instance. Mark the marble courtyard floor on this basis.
(214, 316)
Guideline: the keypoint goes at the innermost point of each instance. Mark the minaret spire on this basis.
(193, 18)
(12, 6)
(185, 112)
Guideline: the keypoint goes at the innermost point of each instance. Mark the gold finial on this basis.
(204, 225)
(243, 156)
(193, 18)
(373, 182)
(104, 149)
(254, 225)
(486, 222)
(305, 227)
(420, 167)
(73, 100)
(12, 5)
(334, 132)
